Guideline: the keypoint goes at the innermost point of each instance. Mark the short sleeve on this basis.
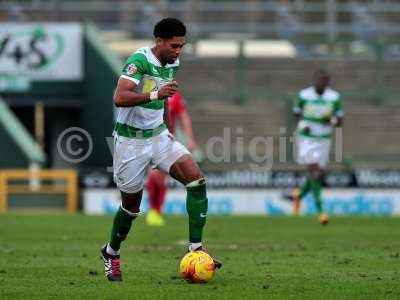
(135, 68)
(298, 105)
(338, 108)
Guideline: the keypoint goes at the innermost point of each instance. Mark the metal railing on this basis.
(257, 19)
(69, 185)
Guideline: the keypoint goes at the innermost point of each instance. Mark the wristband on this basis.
(154, 95)
(334, 121)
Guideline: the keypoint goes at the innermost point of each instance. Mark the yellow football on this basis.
(197, 267)
(323, 218)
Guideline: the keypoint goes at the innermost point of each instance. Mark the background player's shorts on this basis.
(313, 150)
(132, 157)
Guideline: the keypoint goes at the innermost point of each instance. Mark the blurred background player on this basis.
(318, 110)
(156, 182)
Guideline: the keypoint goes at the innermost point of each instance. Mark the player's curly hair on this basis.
(168, 28)
(321, 73)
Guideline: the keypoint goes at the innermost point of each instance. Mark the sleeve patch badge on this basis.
(131, 69)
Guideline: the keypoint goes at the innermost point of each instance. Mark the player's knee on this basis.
(316, 175)
(315, 172)
(130, 203)
(132, 209)
(197, 181)
(195, 177)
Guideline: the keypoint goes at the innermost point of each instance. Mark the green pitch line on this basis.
(57, 257)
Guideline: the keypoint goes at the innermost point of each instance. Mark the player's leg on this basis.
(125, 215)
(322, 150)
(156, 191)
(130, 164)
(314, 153)
(175, 159)
(315, 182)
(305, 188)
(122, 223)
(316, 175)
(172, 157)
(298, 194)
(302, 158)
(187, 172)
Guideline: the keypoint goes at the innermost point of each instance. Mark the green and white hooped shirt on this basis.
(144, 68)
(315, 109)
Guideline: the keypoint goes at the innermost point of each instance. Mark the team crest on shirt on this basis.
(131, 69)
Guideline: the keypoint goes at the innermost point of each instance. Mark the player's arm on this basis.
(337, 119)
(298, 108)
(186, 124)
(166, 115)
(125, 95)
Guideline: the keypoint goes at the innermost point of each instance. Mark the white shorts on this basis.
(313, 150)
(132, 157)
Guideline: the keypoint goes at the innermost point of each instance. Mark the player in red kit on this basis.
(156, 182)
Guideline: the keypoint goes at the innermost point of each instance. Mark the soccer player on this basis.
(141, 139)
(318, 110)
(156, 186)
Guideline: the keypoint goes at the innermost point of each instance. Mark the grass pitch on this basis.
(57, 257)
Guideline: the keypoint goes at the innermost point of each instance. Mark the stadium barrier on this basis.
(23, 181)
(352, 201)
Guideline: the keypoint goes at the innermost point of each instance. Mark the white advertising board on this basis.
(41, 51)
(259, 202)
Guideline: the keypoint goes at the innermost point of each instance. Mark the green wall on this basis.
(102, 68)
(101, 72)
(10, 155)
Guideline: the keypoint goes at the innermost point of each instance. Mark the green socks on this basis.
(316, 188)
(121, 226)
(196, 206)
(305, 188)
